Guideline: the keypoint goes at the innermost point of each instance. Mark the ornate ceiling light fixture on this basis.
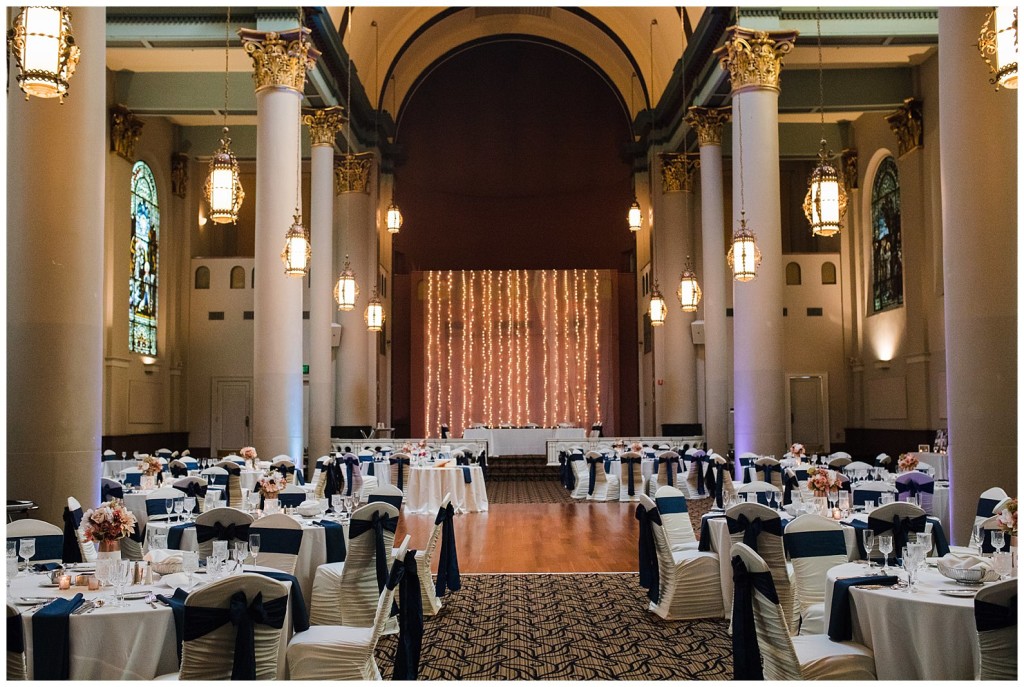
(346, 290)
(658, 310)
(374, 314)
(744, 255)
(998, 45)
(45, 51)
(223, 187)
(689, 292)
(297, 250)
(634, 217)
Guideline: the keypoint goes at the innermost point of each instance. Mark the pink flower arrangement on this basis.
(248, 452)
(271, 484)
(109, 521)
(407, 447)
(797, 450)
(150, 465)
(821, 480)
(907, 462)
(636, 447)
(1008, 518)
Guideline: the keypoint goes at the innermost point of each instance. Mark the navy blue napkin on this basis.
(45, 567)
(51, 639)
(840, 622)
(174, 534)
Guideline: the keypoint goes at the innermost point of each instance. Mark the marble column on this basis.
(323, 126)
(977, 133)
(713, 276)
(675, 358)
(355, 388)
(280, 63)
(754, 61)
(55, 216)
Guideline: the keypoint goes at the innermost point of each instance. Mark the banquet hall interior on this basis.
(529, 342)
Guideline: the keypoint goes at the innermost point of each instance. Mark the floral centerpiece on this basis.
(150, 466)
(797, 451)
(407, 448)
(271, 484)
(1008, 518)
(821, 481)
(248, 453)
(636, 447)
(108, 524)
(907, 462)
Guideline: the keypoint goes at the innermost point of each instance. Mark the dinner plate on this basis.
(49, 584)
(33, 600)
(135, 596)
(960, 593)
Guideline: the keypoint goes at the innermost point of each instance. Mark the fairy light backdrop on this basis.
(515, 347)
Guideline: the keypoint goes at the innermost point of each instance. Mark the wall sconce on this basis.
(883, 364)
(148, 364)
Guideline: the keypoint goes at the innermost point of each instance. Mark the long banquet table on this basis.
(522, 442)
(428, 485)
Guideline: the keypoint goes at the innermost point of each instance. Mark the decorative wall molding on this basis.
(848, 159)
(908, 125)
(125, 131)
(179, 174)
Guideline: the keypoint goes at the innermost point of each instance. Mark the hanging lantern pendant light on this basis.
(374, 314)
(689, 292)
(346, 290)
(297, 250)
(394, 218)
(223, 187)
(45, 51)
(744, 255)
(825, 203)
(658, 310)
(998, 45)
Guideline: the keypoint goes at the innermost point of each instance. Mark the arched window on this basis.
(142, 285)
(828, 273)
(886, 240)
(793, 274)
(202, 277)
(238, 277)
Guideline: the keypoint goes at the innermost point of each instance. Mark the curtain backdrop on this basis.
(515, 347)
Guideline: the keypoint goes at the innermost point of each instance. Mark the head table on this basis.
(428, 485)
(109, 643)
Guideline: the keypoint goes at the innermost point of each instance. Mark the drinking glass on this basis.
(104, 568)
(189, 565)
(869, 545)
(242, 551)
(169, 507)
(12, 548)
(158, 539)
(220, 549)
(254, 500)
(887, 498)
(179, 506)
(885, 546)
(189, 504)
(925, 540)
(976, 538)
(1001, 561)
(337, 502)
(844, 502)
(12, 567)
(245, 496)
(254, 546)
(997, 539)
(122, 576)
(869, 506)
(27, 549)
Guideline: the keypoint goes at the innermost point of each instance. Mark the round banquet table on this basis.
(427, 486)
(921, 636)
(112, 469)
(132, 643)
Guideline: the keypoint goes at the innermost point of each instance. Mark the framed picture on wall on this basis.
(924, 448)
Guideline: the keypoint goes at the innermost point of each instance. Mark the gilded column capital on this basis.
(677, 172)
(280, 59)
(179, 174)
(352, 173)
(125, 130)
(324, 124)
(754, 58)
(907, 124)
(849, 161)
(708, 122)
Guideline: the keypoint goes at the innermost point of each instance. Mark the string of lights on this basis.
(431, 331)
(597, 353)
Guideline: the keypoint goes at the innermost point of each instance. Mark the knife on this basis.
(83, 608)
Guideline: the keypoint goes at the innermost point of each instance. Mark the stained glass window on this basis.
(142, 285)
(886, 241)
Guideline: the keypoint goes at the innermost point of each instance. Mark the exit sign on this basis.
(305, 369)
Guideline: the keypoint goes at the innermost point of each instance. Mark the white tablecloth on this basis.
(523, 442)
(133, 643)
(312, 552)
(136, 503)
(922, 636)
(939, 461)
(112, 468)
(427, 486)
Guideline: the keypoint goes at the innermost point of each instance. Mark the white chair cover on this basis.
(770, 548)
(582, 473)
(342, 652)
(209, 657)
(808, 657)
(31, 528)
(990, 503)
(428, 595)
(224, 516)
(810, 569)
(689, 582)
(285, 562)
(753, 489)
(624, 469)
(162, 494)
(87, 548)
(606, 485)
(870, 491)
(387, 493)
(998, 646)
(776, 474)
(678, 527)
(656, 480)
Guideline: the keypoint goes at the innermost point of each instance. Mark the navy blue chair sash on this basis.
(390, 499)
(405, 575)
(670, 474)
(276, 540)
(987, 507)
(48, 546)
(196, 491)
(790, 482)
(840, 622)
(746, 653)
(570, 480)
(109, 489)
(51, 639)
(159, 507)
(245, 616)
(335, 537)
(697, 461)
(448, 566)
(179, 471)
(403, 465)
(900, 528)
(630, 478)
(593, 472)
(175, 532)
(989, 616)
(333, 482)
(647, 552)
(72, 552)
(290, 499)
(133, 479)
(222, 532)
(370, 467)
(217, 479)
(751, 529)
(714, 479)
(669, 505)
(767, 470)
(913, 488)
(813, 544)
(378, 523)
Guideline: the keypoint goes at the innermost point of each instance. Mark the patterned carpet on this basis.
(541, 627)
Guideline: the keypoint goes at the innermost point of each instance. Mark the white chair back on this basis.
(358, 591)
(999, 644)
(35, 529)
(224, 516)
(87, 548)
(990, 502)
(757, 488)
(815, 544)
(158, 497)
(769, 547)
(581, 470)
(870, 491)
(675, 517)
(279, 560)
(209, 657)
(389, 493)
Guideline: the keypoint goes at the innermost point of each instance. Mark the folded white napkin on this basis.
(164, 561)
(309, 508)
(175, 580)
(951, 560)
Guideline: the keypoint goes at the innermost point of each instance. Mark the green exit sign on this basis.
(305, 369)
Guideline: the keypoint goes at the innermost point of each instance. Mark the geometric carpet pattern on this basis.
(588, 626)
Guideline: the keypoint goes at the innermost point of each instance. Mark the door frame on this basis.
(825, 425)
(214, 406)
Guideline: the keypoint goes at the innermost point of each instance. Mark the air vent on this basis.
(815, 312)
(305, 314)
(728, 312)
(544, 12)
(248, 314)
(216, 315)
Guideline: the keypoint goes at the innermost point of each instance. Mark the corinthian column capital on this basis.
(352, 173)
(677, 172)
(754, 58)
(280, 59)
(324, 124)
(708, 122)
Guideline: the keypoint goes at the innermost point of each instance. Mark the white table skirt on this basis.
(133, 643)
(136, 503)
(922, 636)
(939, 461)
(427, 486)
(312, 552)
(523, 442)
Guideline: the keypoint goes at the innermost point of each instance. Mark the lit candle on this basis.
(94, 583)
(835, 514)
(81, 580)
(65, 582)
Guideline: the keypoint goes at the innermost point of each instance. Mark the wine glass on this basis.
(122, 575)
(179, 506)
(27, 549)
(189, 504)
(885, 546)
(254, 547)
(1001, 561)
(869, 545)
(976, 538)
(254, 499)
(337, 502)
(844, 503)
(12, 566)
(997, 539)
(189, 565)
(103, 571)
(241, 551)
(169, 507)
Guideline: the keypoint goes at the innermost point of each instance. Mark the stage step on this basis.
(520, 469)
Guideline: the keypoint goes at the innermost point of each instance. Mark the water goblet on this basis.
(122, 576)
(925, 540)
(997, 539)
(169, 507)
(179, 506)
(189, 565)
(885, 546)
(12, 548)
(189, 504)
(158, 539)
(220, 549)
(869, 545)
(844, 503)
(27, 549)
(254, 547)
(976, 537)
(241, 551)
(1002, 562)
(104, 570)
(869, 506)
(12, 568)
(254, 500)
(337, 502)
